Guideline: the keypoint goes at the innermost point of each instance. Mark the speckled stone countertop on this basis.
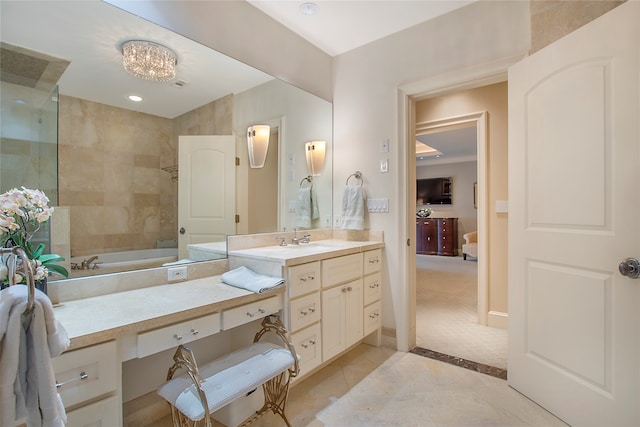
(306, 252)
(97, 319)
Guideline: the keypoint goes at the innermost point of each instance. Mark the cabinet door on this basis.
(354, 306)
(333, 321)
(419, 244)
(430, 236)
(342, 321)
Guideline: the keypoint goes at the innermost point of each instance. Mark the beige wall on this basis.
(493, 99)
(110, 171)
(367, 108)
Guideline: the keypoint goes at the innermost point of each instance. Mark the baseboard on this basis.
(497, 319)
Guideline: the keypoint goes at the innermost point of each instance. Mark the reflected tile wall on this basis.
(110, 171)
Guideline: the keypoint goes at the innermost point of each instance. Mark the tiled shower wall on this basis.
(110, 171)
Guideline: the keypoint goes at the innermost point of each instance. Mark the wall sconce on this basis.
(315, 152)
(257, 144)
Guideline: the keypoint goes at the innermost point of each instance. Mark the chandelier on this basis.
(149, 60)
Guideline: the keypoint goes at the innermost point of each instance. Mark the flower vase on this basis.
(41, 285)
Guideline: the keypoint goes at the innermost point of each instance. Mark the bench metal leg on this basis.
(276, 390)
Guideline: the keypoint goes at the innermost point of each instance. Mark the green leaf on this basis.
(58, 269)
(46, 258)
(36, 254)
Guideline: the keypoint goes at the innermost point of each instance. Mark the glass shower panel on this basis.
(29, 144)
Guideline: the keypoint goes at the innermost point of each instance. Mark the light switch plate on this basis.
(384, 165)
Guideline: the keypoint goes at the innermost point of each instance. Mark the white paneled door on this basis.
(574, 215)
(206, 190)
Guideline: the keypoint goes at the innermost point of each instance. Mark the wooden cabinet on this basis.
(427, 236)
(303, 313)
(437, 236)
(87, 380)
(448, 236)
(342, 318)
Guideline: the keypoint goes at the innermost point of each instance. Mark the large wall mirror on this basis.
(119, 171)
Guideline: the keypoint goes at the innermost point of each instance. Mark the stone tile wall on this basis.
(110, 172)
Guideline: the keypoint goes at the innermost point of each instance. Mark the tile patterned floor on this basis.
(379, 387)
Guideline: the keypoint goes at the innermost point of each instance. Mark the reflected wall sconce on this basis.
(257, 144)
(315, 152)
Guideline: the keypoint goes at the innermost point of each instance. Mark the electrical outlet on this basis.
(176, 273)
(337, 221)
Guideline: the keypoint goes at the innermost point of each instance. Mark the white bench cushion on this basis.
(227, 378)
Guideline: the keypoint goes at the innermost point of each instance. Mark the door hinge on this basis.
(237, 161)
(237, 219)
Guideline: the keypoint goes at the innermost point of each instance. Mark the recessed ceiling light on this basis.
(135, 98)
(308, 8)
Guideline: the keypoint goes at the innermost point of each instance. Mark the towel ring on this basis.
(306, 178)
(17, 252)
(357, 175)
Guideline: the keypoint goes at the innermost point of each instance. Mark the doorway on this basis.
(452, 298)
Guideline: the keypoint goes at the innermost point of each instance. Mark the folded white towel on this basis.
(353, 201)
(245, 278)
(27, 343)
(306, 207)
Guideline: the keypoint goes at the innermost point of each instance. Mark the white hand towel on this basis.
(245, 278)
(27, 343)
(353, 201)
(306, 207)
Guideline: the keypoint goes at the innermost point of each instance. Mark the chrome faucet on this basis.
(86, 264)
(297, 240)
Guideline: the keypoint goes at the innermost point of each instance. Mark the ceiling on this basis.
(457, 145)
(89, 34)
(340, 26)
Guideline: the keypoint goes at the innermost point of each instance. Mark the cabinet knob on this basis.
(194, 331)
(177, 337)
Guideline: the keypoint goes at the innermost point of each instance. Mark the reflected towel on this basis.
(245, 278)
(353, 201)
(306, 207)
(27, 343)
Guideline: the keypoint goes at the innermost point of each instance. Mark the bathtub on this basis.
(130, 259)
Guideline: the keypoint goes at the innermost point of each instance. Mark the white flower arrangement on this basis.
(21, 214)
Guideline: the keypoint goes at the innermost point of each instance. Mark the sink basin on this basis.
(302, 249)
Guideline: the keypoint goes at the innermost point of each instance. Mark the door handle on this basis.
(182, 230)
(630, 267)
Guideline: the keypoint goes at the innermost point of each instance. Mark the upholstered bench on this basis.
(200, 391)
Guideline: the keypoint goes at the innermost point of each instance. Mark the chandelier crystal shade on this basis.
(149, 60)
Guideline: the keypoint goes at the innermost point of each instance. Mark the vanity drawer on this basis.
(372, 261)
(86, 373)
(304, 311)
(308, 345)
(341, 269)
(303, 279)
(372, 288)
(372, 317)
(101, 413)
(179, 333)
(250, 312)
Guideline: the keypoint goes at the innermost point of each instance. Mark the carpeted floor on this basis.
(446, 312)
